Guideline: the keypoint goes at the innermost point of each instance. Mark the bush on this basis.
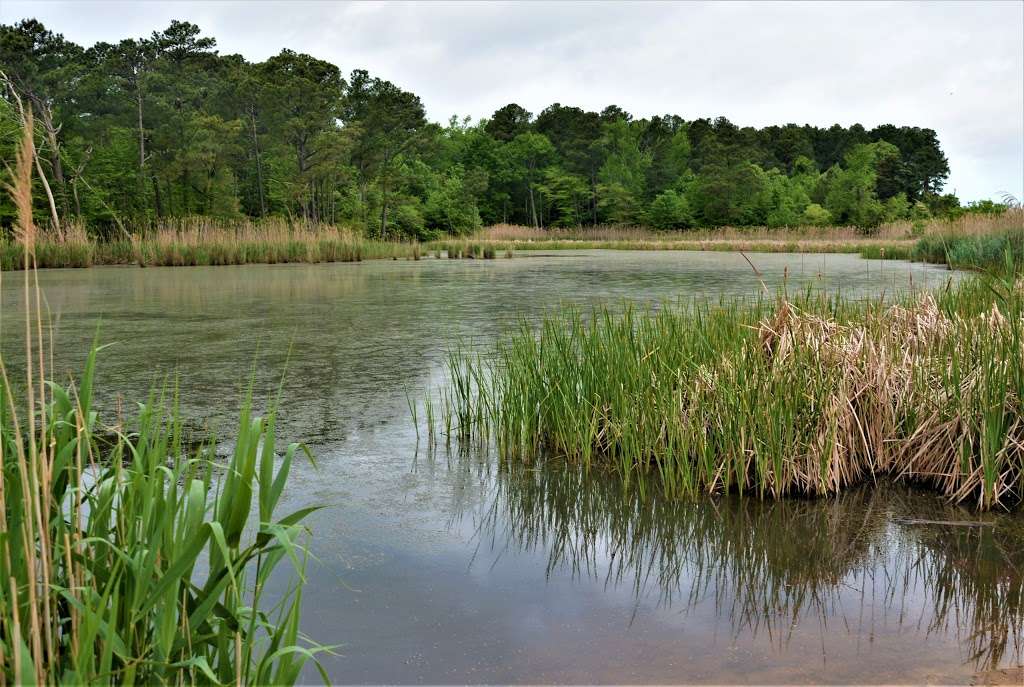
(817, 216)
(669, 210)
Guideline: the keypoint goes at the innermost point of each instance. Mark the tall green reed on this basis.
(767, 397)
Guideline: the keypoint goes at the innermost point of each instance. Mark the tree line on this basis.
(166, 126)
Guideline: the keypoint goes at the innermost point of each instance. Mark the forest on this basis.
(133, 133)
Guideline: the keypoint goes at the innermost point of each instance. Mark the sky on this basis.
(954, 67)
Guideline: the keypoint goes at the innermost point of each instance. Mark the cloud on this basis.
(955, 67)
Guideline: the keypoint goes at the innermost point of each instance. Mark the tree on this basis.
(508, 122)
(785, 200)
(43, 68)
(451, 204)
(390, 122)
(816, 216)
(851, 197)
(669, 210)
(729, 194)
(667, 141)
(566, 196)
(530, 154)
(300, 98)
(622, 177)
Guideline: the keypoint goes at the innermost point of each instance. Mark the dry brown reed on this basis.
(970, 224)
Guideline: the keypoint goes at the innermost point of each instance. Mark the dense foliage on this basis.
(165, 126)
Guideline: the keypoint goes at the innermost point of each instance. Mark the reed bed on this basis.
(1001, 251)
(205, 241)
(124, 556)
(974, 239)
(970, 224)
(771, 398)
(868, 247)
(465, 248)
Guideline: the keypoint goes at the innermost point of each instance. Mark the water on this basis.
(437, 568)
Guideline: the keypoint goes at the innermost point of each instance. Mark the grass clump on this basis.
(770, 398)
(979, 252)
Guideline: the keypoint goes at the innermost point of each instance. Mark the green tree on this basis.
(622, 177)
(390, 123)
(669, 210)
(816, 216)
(530, 154)
(729, 194)
(851, 197)
(508, 122)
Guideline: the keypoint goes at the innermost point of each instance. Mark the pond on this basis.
(434, 568)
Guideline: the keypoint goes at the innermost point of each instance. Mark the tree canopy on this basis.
(166, 126)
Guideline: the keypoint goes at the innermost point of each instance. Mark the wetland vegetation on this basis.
(803, 395)
(756, 456)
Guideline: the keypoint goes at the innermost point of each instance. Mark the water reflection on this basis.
(870, 557)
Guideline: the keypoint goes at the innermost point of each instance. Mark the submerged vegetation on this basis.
(125, 557)
(790, 397)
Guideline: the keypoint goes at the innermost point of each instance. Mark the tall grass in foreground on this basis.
(768, 398)
(123, 559)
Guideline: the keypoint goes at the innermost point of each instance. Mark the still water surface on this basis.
(442, 568)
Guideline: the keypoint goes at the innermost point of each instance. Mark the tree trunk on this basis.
(259, 163)
(384, 210)
(74, 194)
(156, 197)
(533, 206)
(46, 116)
(49, 196)
(142, 131)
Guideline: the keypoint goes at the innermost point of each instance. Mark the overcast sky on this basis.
(957, 68)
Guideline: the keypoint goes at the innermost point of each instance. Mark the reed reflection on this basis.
(879, 554)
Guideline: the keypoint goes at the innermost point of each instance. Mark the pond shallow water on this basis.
(433, 567)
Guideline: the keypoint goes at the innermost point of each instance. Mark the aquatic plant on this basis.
(195, 241)
(773, 398)
(970, 224)
(981, 252)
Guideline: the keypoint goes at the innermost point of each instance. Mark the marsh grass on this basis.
(896, 240)
(204, 241)
(124, 557)
(966, 225)
(769, 398)
(1003, 251)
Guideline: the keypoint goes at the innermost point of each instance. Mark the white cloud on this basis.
(955, 67)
